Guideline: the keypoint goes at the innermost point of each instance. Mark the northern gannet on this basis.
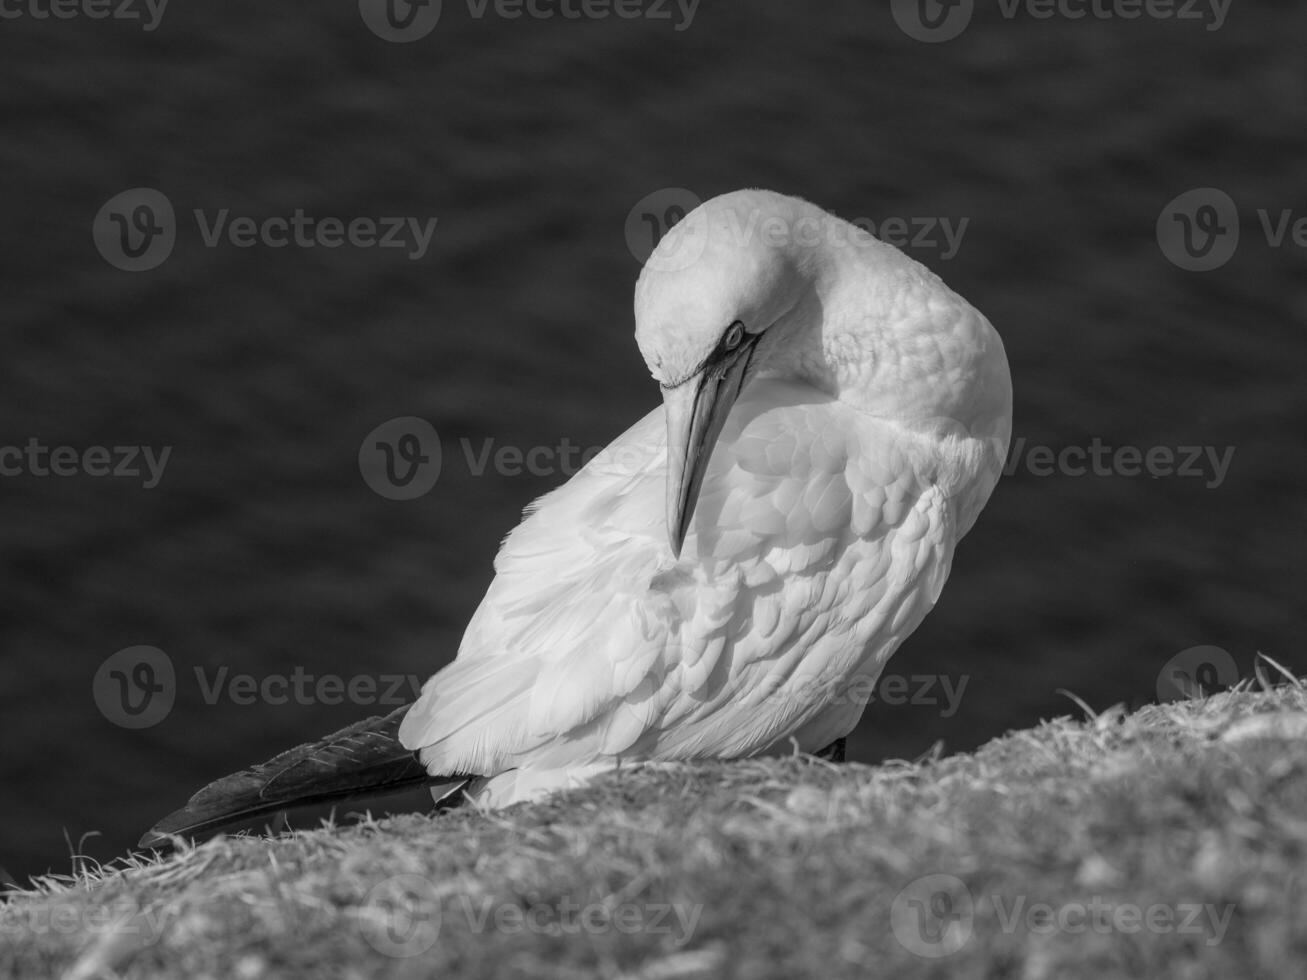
(727, 575)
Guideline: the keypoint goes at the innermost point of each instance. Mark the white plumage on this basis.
(872, 420)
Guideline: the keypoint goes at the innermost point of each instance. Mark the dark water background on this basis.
(262, 549)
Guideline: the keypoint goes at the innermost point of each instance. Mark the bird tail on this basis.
(364, 759)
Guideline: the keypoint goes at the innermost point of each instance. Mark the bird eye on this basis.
(734, 334)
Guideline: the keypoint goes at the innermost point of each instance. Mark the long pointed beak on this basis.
(696, 411)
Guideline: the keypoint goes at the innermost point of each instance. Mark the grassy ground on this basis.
(1167, 843)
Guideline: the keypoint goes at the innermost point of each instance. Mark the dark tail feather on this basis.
(364, 759)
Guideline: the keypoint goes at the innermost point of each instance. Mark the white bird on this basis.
(731, 574)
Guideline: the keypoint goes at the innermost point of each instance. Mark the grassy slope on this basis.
(771, 868)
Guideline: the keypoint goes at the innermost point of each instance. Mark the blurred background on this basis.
(538, 145)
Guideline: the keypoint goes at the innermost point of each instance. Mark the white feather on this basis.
(823, 533)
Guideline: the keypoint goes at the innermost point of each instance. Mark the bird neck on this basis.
(881, 333)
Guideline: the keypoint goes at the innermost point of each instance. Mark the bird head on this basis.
(709, 298)
(756, 282)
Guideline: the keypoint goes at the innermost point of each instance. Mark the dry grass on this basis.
(1167, 843)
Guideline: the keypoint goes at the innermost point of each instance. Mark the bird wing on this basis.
(819, 541)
